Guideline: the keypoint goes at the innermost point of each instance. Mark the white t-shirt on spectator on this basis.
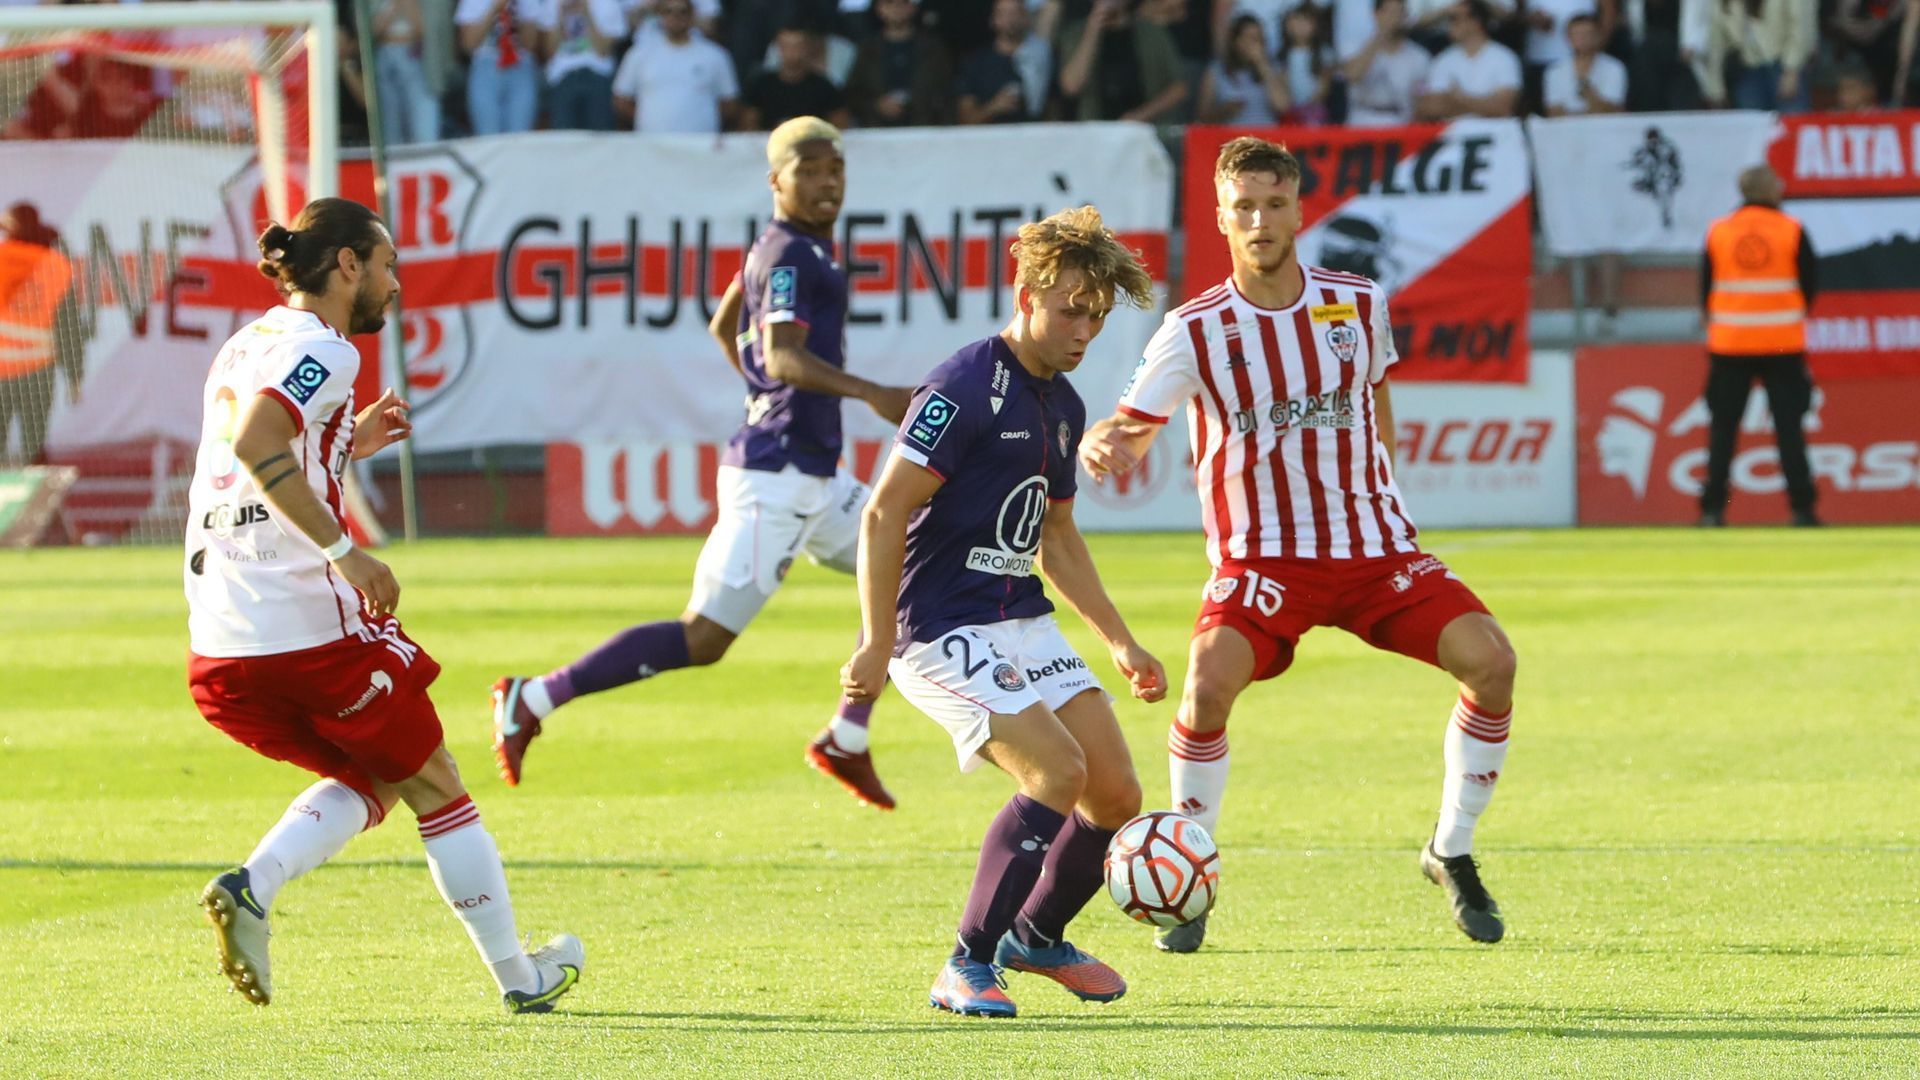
(1546, 46)
(575, 50)
(1493, 68)
(1384, 95)
(1607, 76)
(678, 88)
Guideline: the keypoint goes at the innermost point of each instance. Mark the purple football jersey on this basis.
(790, 276)
(1004, 442)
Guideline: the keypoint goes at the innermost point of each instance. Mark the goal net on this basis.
(142, 148)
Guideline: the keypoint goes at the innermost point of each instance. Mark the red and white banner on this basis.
(1643, 443)
(1437, 214)
(557, 286)
(1821, 155)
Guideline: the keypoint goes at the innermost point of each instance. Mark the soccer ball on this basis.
(1162, 868)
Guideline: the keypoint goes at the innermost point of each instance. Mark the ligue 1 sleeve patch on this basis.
(780, 287)
(308, 376)
(932, 421)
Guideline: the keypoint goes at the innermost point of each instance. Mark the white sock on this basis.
(539, 702)
(317, 824)
(1197, 767)
(1475, 748)
(848, 735)
(466, 867)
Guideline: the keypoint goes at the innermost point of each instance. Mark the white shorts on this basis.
(766, 519)
(972, 673)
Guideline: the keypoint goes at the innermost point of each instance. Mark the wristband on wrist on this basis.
(338, 549)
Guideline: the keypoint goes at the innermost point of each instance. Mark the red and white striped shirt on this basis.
(1286, 442)
(256, 587)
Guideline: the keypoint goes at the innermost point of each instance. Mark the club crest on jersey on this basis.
(1220, 589)
(1065, 436)
(1344, 340)
(935, 416)
(780, 287)
(1007, 678)
(305, 381)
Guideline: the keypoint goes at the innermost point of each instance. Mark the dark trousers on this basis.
(1789, 394)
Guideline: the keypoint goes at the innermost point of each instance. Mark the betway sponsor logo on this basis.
(997, 561)
(1059, 665)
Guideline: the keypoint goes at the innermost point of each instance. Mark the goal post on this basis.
(143, 144)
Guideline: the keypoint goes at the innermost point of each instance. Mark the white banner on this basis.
(1645, 182)
(496, 242)
(1489, 455)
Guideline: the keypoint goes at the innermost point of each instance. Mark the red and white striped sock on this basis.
(317, 824)
(1197, 769)
(466, 868)
(1475, 749)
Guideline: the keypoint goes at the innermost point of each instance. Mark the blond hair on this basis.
(1247, 154)
(786, 140)
(1079, 240)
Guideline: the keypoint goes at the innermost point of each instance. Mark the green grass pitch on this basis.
(1705, 841)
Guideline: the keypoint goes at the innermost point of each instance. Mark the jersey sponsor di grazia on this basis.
(1285, 427)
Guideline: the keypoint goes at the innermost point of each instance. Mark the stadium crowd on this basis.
(452, 67)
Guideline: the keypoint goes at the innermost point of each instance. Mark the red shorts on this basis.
(354, 710)
(1399, 603)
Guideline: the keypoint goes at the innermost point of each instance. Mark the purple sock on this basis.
(638, 652)
(855, 713)
(1075, 871)
(1011, 855)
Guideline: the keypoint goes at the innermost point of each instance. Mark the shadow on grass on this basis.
(1602, 1024)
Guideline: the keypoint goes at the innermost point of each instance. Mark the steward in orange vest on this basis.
(34, 278)
(1757, 279)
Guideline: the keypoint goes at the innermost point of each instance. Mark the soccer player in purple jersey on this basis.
(781, 488)
(977, 495)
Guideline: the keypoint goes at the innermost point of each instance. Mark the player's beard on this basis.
(1273, 258)
(369, 315)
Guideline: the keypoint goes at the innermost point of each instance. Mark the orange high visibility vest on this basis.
(1755, 307)
(33, 279)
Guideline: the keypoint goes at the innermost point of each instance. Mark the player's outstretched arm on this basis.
(1068, 567)
(903, 488)
(1114, 446)
(790, 361)
(726, 323)
(264, 444)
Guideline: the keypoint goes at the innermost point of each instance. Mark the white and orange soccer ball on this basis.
(1163, 869)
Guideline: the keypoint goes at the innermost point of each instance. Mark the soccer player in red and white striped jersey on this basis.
(294, 649)
(1282, 369)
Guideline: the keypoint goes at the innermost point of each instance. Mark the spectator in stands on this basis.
(1117, 67)
(1384, 76)
(1870, 30)
(1244, 86)
(1007, 82)
(579, 38)
(502, 40)
(1757, 53)
(1664, 39)
(1904, 71)
(1306, 62)
(902, 76)
(1586, 80)
(1270, 13)
(410, 110)
(676, 81)
(1476, 76)
(1853, 90)
(644, 20)
(1546, 24)
(830, 54)
(794, 88)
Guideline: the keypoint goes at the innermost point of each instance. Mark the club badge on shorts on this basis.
(1007, 678)
(1219, 590)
